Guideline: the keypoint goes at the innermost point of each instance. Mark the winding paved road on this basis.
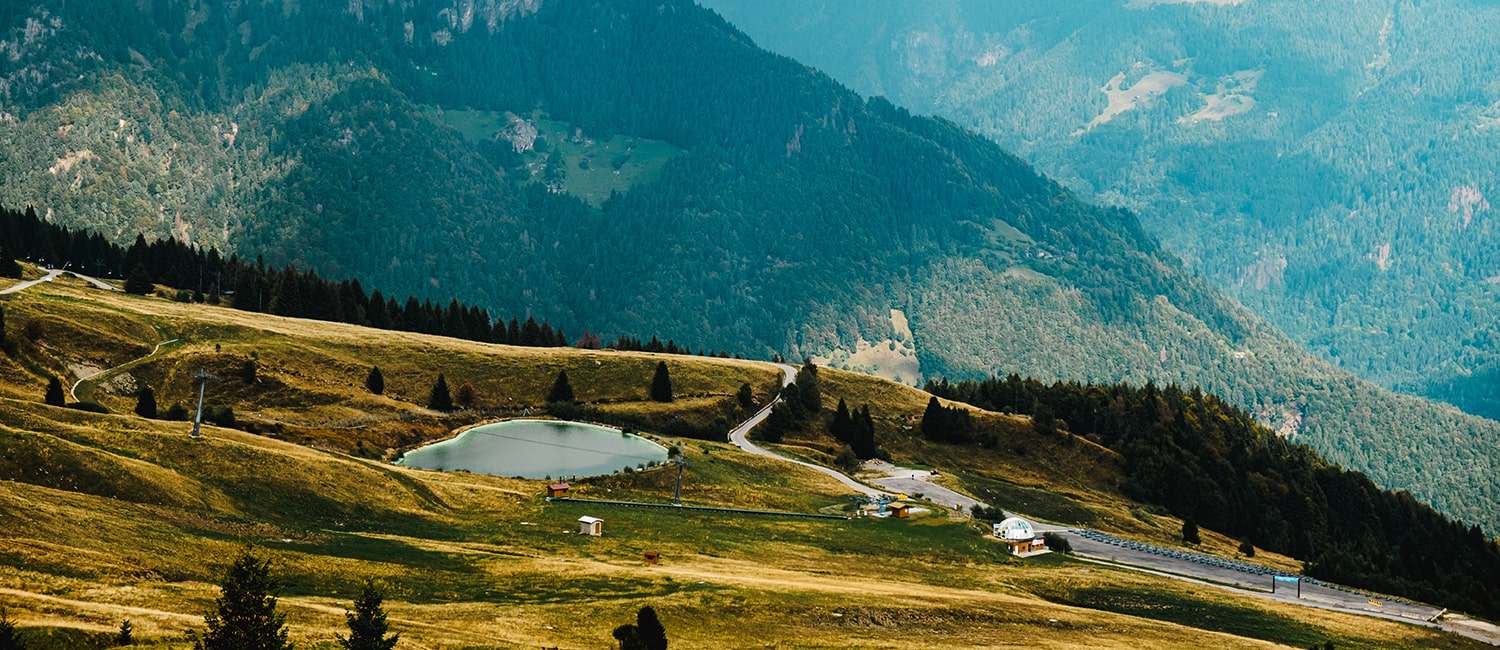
(739, 436)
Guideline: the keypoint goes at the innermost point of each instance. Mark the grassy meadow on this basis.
(107, 517)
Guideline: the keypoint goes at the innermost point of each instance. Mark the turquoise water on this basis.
(537, 449)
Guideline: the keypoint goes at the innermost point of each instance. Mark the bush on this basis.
(88, 407)
(1057, 543)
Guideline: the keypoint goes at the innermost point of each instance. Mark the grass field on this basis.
(106, 517)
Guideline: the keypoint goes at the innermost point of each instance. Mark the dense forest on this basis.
(198, 276)
(759, 206)
(1328, 164)
(1211, 463)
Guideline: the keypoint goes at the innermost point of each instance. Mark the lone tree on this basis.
(440, 399)
(55, 396)
(1190, 532)
(249, 371)
(562, 391)
(746, 396)
(139, 282)
(649, 630)
(126, 635)
(661, 384)
(1246, 548)
(145, 402)
(367, 626)
(375, 382)
(245, 616)
(466, 395)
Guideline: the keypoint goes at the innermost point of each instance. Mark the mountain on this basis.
(1330, 165)
(470, 150)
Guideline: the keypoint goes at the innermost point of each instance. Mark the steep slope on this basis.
(788, 214)
(1328, 164)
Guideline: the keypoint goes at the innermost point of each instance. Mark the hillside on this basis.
(1328, 165)
(113, 516)
(367, 140)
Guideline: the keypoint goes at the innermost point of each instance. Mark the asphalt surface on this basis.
(51, 275)
(912, 482)
(740, 437)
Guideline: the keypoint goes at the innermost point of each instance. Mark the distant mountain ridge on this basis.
(778, 212)
(1331, 165)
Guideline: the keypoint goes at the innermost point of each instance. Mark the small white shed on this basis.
(591, 526)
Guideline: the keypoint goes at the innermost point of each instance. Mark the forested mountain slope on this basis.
(1331, 164)
(447, 149)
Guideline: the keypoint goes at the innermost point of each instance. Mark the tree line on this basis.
(1211, 463)
(208, 277)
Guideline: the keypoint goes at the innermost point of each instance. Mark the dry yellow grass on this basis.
(107, 517)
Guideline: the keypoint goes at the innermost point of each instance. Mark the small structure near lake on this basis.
(591, 526)
(1021, 537)
(558, 490)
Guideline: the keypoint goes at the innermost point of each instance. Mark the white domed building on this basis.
(1022, 538)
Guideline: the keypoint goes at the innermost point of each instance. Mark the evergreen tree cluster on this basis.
(947, 424)
(854, 428)
(209, 277)
(1211, 464)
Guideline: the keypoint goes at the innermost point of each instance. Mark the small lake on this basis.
(537, 449)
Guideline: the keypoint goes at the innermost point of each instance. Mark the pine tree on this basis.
(10, 639)
(245, 616)
(466, 395)
(649, 630)
(145, 402)
(375, 381)
(1190, 532)
(367, 624)
(440, 399)
(126, 635)
(8, 266)
(863, 438)
(562, 391)
(248, 371)
(746, 396)
(55, 396)
(661, 384)
(842, 426)
(809, 392)
(139, 282)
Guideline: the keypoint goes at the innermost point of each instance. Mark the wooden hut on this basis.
(558, 490)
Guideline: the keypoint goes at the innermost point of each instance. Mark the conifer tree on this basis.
(375, 381)
(10, 639)
(562, 391)
(367, 624)
(465, 396)
(245, 616)
(661, 384)
(126, 635)
(842, 426)
(8, 266)
(1190, 532)
(649, 630)
(248, 371)
(55, 395)
(440, 399)
(145, 402)
(809, 393)
(863, 434)
(139, 282)
(746, 396)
